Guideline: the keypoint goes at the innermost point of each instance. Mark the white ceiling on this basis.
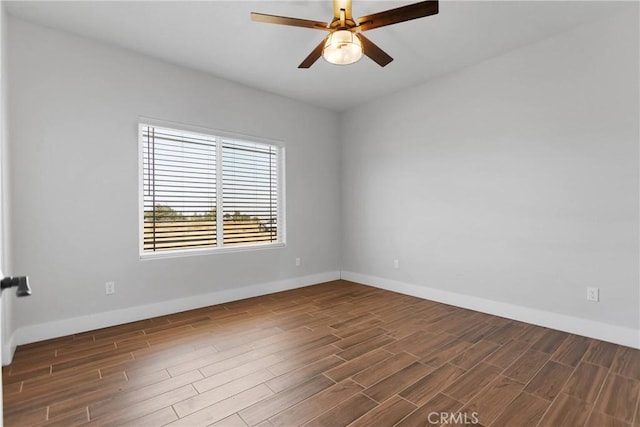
(218, 37)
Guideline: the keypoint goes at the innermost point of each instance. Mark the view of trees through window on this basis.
(184, 185)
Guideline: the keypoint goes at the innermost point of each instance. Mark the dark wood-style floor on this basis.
(328, 355)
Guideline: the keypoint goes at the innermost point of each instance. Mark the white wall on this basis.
(6, 348)
(513, 181)
(74, 108)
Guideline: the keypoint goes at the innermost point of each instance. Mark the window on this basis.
(204, 192)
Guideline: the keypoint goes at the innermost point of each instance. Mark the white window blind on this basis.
(250, 188)
(193, 182)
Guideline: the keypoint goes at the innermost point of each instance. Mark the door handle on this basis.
(22, 282)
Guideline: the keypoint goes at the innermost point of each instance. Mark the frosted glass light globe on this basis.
(342, 48)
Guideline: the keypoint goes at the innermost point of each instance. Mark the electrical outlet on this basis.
(593, 294)
(297, 262)
(110, 288)
(396, 263)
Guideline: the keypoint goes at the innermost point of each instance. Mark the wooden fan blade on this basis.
(372, 50)
(342, 4)
(400, 14)
(313, 56)
(284, 20)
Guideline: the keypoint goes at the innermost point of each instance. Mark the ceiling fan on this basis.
(345, 43)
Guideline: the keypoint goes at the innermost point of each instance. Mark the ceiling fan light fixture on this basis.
(346, 42)
(343, 47)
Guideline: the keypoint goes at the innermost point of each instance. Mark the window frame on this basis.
(144, 122)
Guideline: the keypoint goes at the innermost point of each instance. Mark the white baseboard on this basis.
(59, 328)
(575, 325)
(8, 349)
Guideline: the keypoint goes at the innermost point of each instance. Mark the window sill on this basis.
(207, 251)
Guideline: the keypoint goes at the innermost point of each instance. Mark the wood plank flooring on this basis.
(333, 354)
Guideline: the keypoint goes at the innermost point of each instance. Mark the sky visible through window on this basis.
(180, 170)
(184, 169)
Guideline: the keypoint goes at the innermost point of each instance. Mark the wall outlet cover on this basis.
(110, 288)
